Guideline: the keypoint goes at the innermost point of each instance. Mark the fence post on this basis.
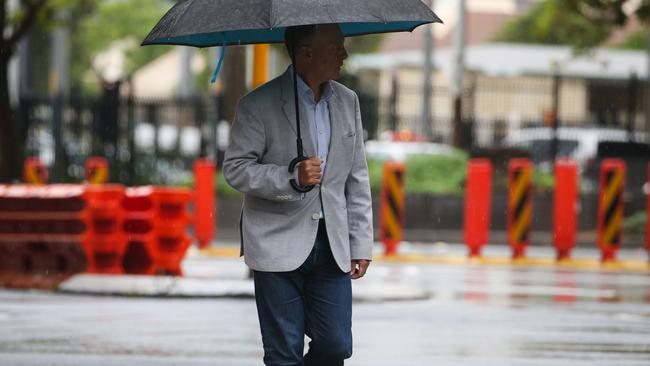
(631, 105)
(555, 120)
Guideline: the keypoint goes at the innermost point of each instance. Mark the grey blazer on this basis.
(279, 225)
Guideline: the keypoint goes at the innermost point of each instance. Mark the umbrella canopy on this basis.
(206, 23)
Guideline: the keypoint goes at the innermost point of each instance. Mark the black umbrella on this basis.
(208, 23)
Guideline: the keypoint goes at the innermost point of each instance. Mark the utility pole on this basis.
(427, 87)
(186, 84)
(260, 64)
(457, 81)
(59, 85)
(15, 65)
(646, 107)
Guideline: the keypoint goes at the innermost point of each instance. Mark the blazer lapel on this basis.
(290, 113)
(338, 128)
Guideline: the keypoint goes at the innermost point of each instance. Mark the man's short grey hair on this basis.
(298, 36)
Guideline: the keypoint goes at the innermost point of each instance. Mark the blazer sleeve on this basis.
(358, 198)
(243, 168)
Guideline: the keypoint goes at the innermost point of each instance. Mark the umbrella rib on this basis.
(272, 20)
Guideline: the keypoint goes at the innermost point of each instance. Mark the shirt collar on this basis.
(304, 91)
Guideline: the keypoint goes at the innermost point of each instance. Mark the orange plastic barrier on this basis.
(520, 205)
(392, 206)
(42, 229)
(139, 217)
(34, 171)
(173, 219)
(156, 223)
(204, 201)
(565, 208)
(105, 241)
(610, 207)
(478, 200)
(96, 170)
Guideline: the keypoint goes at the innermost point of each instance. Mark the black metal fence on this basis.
(493, 107)
(145, 141)
(155, 141)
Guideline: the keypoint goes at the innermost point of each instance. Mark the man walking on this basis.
(304, 248)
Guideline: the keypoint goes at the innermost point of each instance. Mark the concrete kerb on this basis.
(218, 272)
(625, 265)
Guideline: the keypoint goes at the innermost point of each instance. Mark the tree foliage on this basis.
(580, 23)
(14, 25)
(118, 20)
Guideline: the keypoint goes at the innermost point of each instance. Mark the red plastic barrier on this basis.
(610, 207)
(34, 171)
(204, 202)
(392, 206)
(41, 233)
(171, 229)
(105, 241)
(156, 223)
(565, 207)
(520, 205)
(139, 210)
(478, 200)
(96, 170)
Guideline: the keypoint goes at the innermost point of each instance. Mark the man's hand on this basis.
(310, 172)
(359, 268)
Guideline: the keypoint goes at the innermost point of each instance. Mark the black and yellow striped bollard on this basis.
(96, 170)
(520, 205)
(610, 207)
(392, 206)
(34, 171)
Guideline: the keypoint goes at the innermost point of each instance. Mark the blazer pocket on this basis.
(266, 206)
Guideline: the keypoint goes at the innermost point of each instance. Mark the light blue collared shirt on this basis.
(317, 115)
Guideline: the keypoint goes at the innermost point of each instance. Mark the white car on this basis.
(579, 143)
(401, 150)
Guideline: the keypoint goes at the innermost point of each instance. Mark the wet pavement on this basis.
(464, 314)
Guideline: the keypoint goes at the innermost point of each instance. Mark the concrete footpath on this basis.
(219, 272)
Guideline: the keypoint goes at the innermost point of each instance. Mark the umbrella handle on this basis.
(292, 168)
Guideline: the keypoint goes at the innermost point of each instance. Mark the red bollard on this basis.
(96, 170)
(610, 207)
(647, 230)
(478, 200)
(565, 207)
(520, 205)
(204, 202)
(392, 206)
(34, 171)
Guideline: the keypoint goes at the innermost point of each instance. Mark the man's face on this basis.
(327, 53)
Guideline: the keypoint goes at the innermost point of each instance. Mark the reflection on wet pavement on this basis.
(471, 315)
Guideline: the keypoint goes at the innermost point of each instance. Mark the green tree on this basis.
(580, 23)
(14, 26)
(118, 20)
(556, 22)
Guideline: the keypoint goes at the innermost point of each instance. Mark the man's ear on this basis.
(307, 52)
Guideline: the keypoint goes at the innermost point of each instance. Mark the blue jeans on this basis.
(315, 299)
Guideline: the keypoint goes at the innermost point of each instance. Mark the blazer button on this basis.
(315, 216)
